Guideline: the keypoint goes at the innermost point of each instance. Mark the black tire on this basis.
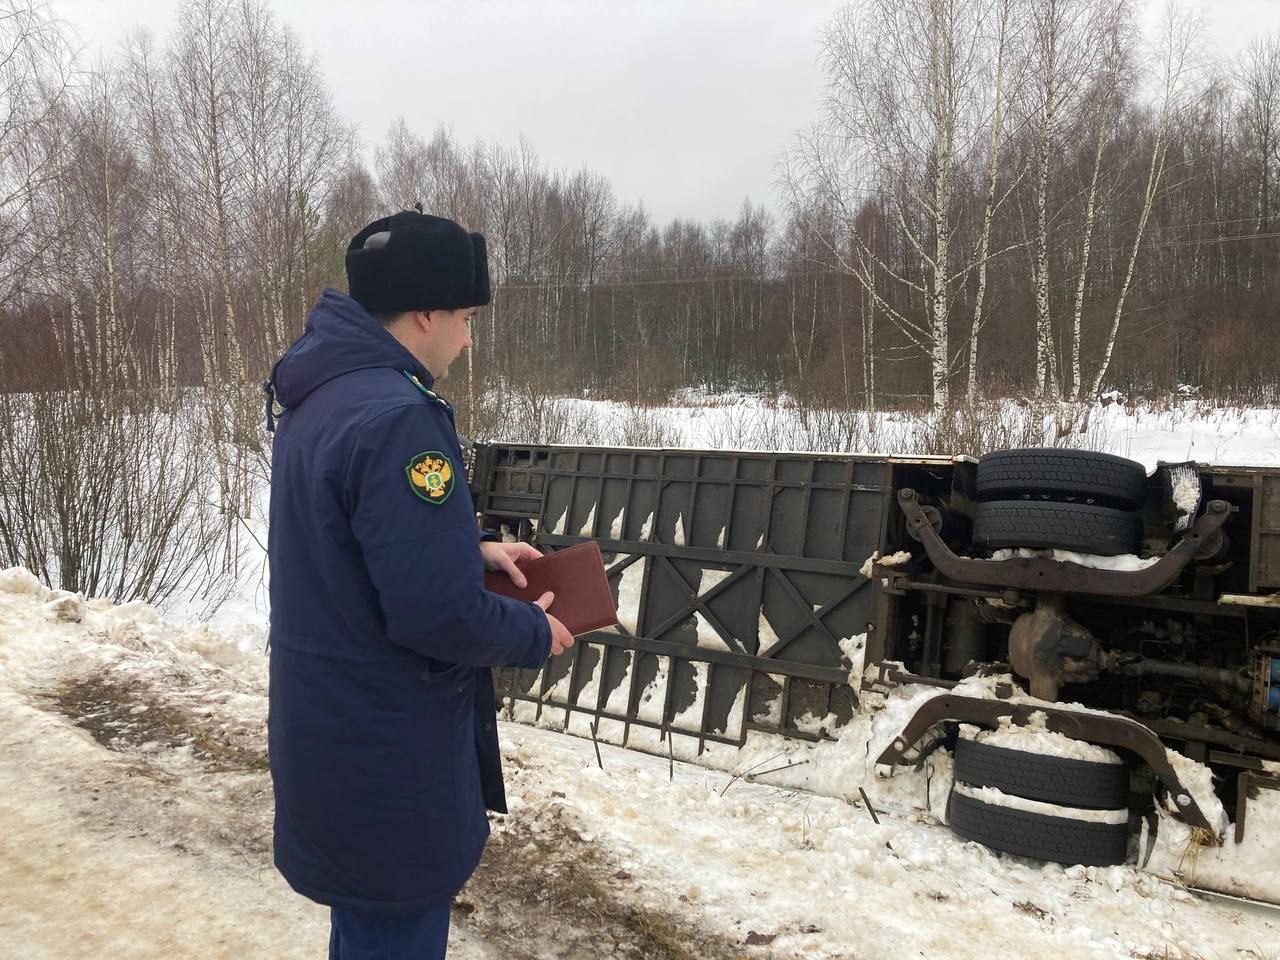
(1063, 780)
(1058, 839)
(1064, 526)
(1084, 474)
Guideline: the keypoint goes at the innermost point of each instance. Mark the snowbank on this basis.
(1250, 868)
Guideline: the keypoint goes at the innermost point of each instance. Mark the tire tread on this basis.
(1042, 837)
(1081, 527)
(1104, 477)
(1066, 781)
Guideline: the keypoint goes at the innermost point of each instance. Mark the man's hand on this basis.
(561, 638)
(505, 556)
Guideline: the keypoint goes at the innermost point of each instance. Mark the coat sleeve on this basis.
(422, 553)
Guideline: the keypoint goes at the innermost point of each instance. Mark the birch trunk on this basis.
(1154, 175)
(988, 209)
(1089, 217)
(1044, 324)
(117, 362)
(1181, 34)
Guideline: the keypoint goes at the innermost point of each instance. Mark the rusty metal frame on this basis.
(1210, 737)
(1042, 574)
(1107, 730)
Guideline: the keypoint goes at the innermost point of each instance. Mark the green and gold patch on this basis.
(430, 476)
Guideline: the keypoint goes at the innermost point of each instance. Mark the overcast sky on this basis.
(684, 104)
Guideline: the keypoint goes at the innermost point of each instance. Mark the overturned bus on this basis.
(1052, 651)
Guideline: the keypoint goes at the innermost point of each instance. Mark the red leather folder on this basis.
(583, 601)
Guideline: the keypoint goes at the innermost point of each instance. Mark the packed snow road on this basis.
(135, 814)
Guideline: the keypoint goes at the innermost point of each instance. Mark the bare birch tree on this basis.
(403, 168)
(165, 245)
(35, 70)
(1065, 49)
(294, 145)
(207, 159)
(1257, 72)
(1177, 67)
(1006, 78)
(1103, 104)
(592, 206)
(902, 112)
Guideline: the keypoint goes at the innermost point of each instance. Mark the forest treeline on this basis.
(1001, 196)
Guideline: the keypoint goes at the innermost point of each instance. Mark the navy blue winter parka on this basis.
(381, 722)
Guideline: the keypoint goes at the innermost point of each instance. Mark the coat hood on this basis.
(340, 337)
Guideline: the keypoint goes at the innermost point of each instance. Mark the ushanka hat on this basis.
(414, 261)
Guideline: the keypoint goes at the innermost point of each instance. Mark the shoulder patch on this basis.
(431, 476)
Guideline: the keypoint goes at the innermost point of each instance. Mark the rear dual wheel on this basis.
(1074, 500)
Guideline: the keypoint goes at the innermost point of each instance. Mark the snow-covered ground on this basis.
(1187, 429)
(135, 821)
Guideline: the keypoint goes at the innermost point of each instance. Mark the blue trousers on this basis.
(355, 935)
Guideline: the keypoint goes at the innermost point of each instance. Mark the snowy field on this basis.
(135, 806)
(1187, 429)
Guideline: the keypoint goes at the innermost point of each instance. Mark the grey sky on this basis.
(684, 104)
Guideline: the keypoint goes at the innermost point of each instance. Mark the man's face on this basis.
(448, 332)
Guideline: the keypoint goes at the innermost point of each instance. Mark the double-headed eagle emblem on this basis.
(430, 476)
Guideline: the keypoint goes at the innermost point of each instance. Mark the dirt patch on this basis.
(188, 782)
(571, 901)
(126, 717)
(1029, 908)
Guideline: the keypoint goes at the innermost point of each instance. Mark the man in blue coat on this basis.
(384, 752)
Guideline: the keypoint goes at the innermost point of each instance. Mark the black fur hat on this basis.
(414, 261)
